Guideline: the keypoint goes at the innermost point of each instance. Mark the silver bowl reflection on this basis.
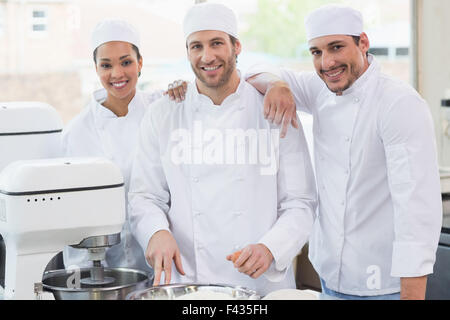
(174, 291)
(62, 283)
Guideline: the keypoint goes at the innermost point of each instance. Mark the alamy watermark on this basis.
(226, 147)
(374, 280)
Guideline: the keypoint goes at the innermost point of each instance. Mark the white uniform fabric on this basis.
(114, 30)
(333, 19)
(214, 209)
(97, 131)
(380, 207)
(210, 16)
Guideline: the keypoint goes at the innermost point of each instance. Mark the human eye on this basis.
(105, 65)
(126, 63)
(316, 52)
(217, 43)
(337, 47)
(195, 46)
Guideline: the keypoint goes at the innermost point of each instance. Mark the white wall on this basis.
(433, 63)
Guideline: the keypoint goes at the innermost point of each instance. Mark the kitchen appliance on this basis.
(50, 203)
(28, 130)
(124, 282)
(445, 138)
(177, 291)
(438, 284)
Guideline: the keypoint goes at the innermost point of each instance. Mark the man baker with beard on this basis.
(380, 209)
(201, 188)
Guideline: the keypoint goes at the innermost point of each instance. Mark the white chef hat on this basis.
(210, 16)
(333, 19)
(114, 30)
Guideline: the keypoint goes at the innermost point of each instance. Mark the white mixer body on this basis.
(29, 130)
(50, 203)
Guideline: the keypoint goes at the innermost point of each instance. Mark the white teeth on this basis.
(211, 68)
(119, 84)
(335, 74)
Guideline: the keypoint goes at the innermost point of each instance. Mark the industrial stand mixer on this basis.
(47, 204)
(50, 203)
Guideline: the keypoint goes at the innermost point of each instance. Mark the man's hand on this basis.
(413, 288)
(162, 249)
(253, 260)
(177, 90)
(279, 106)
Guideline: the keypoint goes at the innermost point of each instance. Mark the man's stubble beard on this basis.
(224, 79)
(355, 74)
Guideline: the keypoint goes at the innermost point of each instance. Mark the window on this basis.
(2, 19)
(402, 52)
(379, 51)
(39, 20)
(58, 69)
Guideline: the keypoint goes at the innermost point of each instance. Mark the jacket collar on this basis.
(359, 88)
(99, 96)
(203, 101)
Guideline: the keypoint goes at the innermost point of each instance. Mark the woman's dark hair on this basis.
(136, 49)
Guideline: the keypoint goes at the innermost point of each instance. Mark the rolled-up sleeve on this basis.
(297, 202)
(413, 173)
(149, 195)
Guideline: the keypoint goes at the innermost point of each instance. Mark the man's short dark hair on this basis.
(357, 39)
(232, 39)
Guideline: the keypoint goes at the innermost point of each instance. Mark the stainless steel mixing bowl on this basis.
(125, 282)
(173, 291)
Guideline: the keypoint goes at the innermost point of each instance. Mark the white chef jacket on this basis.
(380, 207)
(98, 132)
(212, 209)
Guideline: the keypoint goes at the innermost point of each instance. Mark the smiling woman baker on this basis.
(108, 126)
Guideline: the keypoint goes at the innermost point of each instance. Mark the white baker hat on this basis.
(332, 20)
(210, 16)
(114, 30)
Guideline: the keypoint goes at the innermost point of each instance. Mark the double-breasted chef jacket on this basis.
(380, 207)
(187, 180)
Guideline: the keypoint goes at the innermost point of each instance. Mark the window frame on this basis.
(2, 19)
(35, 21)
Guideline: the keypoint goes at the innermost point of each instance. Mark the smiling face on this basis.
(339, 61)
(213, 57)
(118, 68)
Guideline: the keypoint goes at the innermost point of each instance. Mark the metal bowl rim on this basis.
(132, 295)
(47, 275)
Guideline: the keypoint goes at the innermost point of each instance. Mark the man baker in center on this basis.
(201, 185)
